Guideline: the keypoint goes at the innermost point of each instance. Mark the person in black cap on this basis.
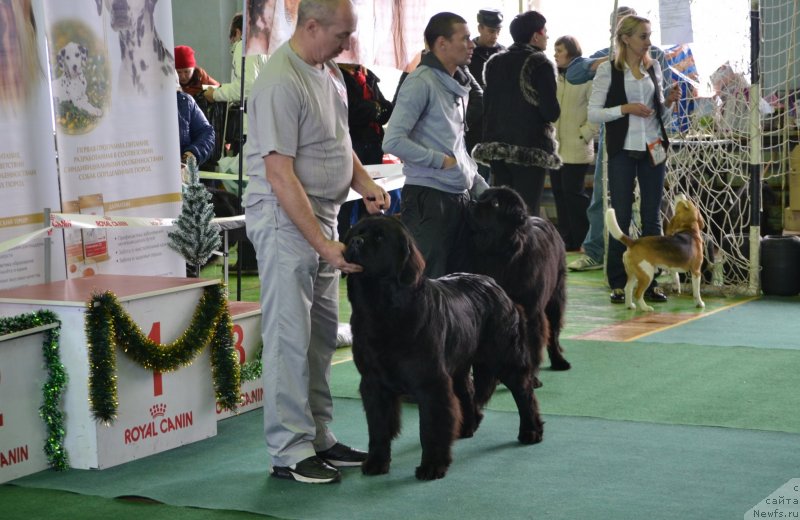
(490, 22)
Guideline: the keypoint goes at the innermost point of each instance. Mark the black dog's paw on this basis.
(537, 383)
(559, 364)
(375, 466)
(431, 472)
(530, 437)
(478, 419)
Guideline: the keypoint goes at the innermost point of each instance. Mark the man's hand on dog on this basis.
(333, 253)
(376, 200)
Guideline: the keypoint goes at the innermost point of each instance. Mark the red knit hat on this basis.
(184, 57)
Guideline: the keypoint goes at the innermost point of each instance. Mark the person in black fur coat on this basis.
(519, 108)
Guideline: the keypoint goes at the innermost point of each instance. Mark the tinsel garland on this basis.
(108, 325)
(251, 370)
(53, 388)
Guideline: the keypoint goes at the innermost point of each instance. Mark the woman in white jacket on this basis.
(575, 136)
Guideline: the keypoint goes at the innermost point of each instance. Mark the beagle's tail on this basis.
(614, 229)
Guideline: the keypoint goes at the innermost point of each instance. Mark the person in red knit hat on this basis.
(191, 77)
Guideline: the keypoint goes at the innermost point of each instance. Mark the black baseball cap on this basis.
(490, 17)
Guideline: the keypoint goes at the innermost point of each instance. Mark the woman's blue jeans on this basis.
(624, 170)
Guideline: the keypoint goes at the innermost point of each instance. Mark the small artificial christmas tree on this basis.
(195, 236)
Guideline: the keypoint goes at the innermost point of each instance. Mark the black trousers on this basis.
(571, 202)
(438, 222)
(528, 181)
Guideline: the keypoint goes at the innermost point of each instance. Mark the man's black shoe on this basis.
(312, 470)
(655, 295)
(617, 296)
(340, 456)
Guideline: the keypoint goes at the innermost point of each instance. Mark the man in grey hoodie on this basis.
(426, 131)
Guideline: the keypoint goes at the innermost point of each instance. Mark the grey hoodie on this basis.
(428, 124)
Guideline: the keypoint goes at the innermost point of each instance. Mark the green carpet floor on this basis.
(22, 503)
(632, 432)
(585, 468)
(664, 383)
(589, 309)
(762, 323)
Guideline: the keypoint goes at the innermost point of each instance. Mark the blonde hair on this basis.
(627, 26)
(22, 69)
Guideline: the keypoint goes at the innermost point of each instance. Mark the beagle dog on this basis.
(679, 250)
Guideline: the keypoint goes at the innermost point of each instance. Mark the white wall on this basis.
(203, 25)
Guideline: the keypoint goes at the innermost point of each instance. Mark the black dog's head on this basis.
(385, 249)
(497, 214)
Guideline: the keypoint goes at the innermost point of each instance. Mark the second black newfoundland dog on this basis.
(526, 256)
(421, 337)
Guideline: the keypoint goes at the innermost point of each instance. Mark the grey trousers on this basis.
(299, 321)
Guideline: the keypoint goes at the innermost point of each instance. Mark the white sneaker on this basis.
(584, 263)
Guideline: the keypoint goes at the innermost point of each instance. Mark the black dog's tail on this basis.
(537, 334)
(528, 338)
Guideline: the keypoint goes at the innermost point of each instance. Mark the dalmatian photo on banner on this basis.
(113, 84)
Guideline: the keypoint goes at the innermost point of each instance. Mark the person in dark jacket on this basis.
(367, 111)
(490, 22)
(196, 134)
(519, 108)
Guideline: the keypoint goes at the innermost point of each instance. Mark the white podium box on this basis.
(22, 431)
(246, 318)
(156, 412)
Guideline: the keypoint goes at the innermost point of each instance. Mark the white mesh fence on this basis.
(713, 140)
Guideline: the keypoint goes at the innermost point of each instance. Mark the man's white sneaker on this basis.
(584, 263)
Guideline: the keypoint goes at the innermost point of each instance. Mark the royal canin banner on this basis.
(28, 177)
(113, 85)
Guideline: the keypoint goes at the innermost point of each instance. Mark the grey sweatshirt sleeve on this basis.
(412, 100)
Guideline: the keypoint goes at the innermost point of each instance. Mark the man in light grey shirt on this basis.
(301, 165)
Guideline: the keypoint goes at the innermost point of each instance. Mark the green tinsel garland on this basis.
(108, 325)
(53, 388)
(251, 370)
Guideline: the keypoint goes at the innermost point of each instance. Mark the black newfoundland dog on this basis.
(526, 257)
(421, 337)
